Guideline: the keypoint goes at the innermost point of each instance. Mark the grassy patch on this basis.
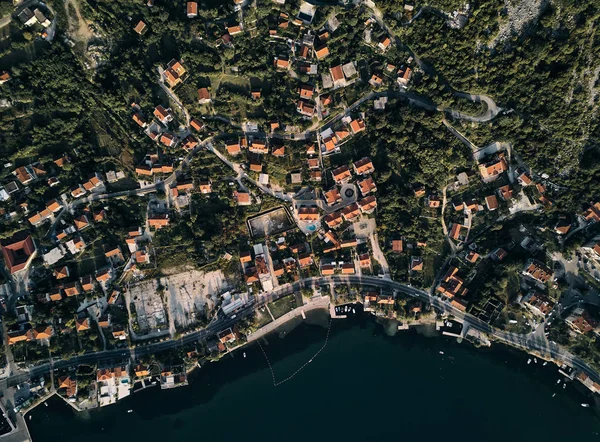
(282, 306)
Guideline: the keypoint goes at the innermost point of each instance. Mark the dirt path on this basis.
(78, 28)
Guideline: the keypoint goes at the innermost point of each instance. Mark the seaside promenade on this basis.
(313, 304)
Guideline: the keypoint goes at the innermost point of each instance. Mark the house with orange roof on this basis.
(114, 255)
(255, 166)
(203, 96)
(404, 76)
(196, 124)
(348, 269)
(491, 202)
(397, 246)
(75, 245)
(505, 193)
(189, 143)
(306, 91)
(384, 42)
(337, 75)
(71, 289)
(103, 276)
(142, 371)
(416, 264)
(524, 179)
(163, 115)
(305, 260)
(305, 108)
(451, 284)
(99, 215)
(251, 275)
(538, 271)
(315, 175)
(174, 73)
(242, 198)
(363, 166)
(434, 202)
(43, 332)
(4, 77)
(233, 148)
(592, 214)
(341, 134)
(258, 146)
(19, 336)
(332, 196)
(322, 52)
(168, 139)
(192, 9)
(77, 191)
(327, 269)
(81, 222)
(357, 125)
(119, 334)
(114, 297)
(493, 167)
(82, 324)
(61, 272)
(364, 260)
(18, 251)
(333, 220)
(205, 187)
(55, 294)
(140, 27)
(341, 175)
(472, 257)
(368, 204)
(281, 63)
(278, 151)
(330, 144)
(139, 119)
(53, 206)
(69, 385)
(376, 80)
(158, 221)
(350, 212)
(499, 254)
(309, 214)
(456, 232)
(313, 163)
(234, 30)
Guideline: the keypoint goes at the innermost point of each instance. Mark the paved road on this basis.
(529, 342)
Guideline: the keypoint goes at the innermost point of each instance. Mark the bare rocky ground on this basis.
(519, 15)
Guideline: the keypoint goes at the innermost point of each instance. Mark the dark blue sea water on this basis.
(365, 386)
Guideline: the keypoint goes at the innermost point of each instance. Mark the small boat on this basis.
(564, 386)
(528, 361)
(544, 364)
(353, 311)
(585, 405)
(558, 382)
(554, 395)
(441, 352)
(129, 411)
(46, 404)
(535, 360)
(244, 354)
(30, 417)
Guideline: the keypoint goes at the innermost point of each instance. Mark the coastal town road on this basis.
(528, 342)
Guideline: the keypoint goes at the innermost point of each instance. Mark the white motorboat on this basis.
(528, 361)
(585, 405)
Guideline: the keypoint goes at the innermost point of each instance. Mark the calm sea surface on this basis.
(364, 386)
